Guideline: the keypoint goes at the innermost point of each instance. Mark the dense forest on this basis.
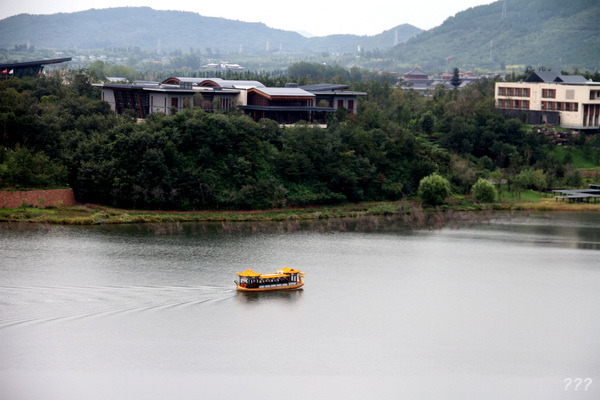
(55, 132)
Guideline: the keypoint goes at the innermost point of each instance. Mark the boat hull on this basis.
(269, 288)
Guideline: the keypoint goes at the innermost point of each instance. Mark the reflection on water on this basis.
(485, 306)
(277, 296)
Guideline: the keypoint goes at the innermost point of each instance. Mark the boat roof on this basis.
(248, 272)
(287, 270)
(280, 273)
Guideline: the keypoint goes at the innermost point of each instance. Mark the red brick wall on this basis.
(38, 198)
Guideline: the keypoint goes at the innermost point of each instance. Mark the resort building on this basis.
(286, 105)
(569, 101)
(28, 68)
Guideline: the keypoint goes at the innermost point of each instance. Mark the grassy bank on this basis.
(93, 215)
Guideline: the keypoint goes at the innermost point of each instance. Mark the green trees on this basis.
(434, 189)
(484, 191)
(455, 80)
(55, 134)
(22, 168)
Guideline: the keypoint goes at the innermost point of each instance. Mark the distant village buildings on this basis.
(286, 105)
(569, 101)
(416, 79)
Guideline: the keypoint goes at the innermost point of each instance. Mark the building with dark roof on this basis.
(569, 101)
(28, 68)
(553, 77)
(286, 105)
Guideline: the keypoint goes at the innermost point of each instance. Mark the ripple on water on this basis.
(35, 305)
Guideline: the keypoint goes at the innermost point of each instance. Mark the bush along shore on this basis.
(410, 212)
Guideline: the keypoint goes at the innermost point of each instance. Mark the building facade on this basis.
(286, 105)
(549, 98)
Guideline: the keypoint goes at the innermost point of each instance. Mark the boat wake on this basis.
(38, 305)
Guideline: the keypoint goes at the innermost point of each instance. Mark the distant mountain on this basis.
(551, 33)
(144, 27)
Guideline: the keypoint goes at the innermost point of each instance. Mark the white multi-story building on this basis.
(569, 101)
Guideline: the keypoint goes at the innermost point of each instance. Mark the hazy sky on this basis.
(319, 17)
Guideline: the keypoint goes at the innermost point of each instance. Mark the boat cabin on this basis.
(284, 278)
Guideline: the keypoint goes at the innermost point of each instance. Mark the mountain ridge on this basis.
(144, 27)
(549, 33)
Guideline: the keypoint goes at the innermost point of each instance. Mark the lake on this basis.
(502, 308)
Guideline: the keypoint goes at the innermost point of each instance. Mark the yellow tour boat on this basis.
(283, 279)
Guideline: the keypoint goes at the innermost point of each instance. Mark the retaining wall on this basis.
(37, 198)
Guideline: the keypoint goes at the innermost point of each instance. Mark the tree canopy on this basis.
(56, 134)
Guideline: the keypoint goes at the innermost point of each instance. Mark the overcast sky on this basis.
(319, 17)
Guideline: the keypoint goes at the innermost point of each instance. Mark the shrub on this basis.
(484, 191)
(434, 189)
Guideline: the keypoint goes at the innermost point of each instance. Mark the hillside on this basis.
(551, 33)
(144, 27)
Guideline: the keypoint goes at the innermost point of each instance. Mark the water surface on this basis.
(501, 309)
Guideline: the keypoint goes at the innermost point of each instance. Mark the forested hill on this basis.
(144, 27)
(550, 33)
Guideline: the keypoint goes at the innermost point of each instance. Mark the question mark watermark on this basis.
(577, 382)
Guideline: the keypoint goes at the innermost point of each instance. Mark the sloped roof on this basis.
(416, 71)
(215, 82)
(284, 92)
(249, 272)
(287, 270)
(572, 79)
(322, 87)
(37, 63)
(541, 76)
(553, 77)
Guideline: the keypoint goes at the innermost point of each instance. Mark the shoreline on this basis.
(92, 214)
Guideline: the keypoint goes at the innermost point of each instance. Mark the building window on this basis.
(340, 104)
(351, 105)
(549, 93)
(174, 102)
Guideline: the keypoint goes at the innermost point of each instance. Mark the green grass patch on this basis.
(578, 157)
(523, 195)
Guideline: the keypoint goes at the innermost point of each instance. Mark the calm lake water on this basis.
(506, 308)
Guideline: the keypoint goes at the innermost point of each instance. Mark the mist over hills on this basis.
(551, 33)
(147, 28)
